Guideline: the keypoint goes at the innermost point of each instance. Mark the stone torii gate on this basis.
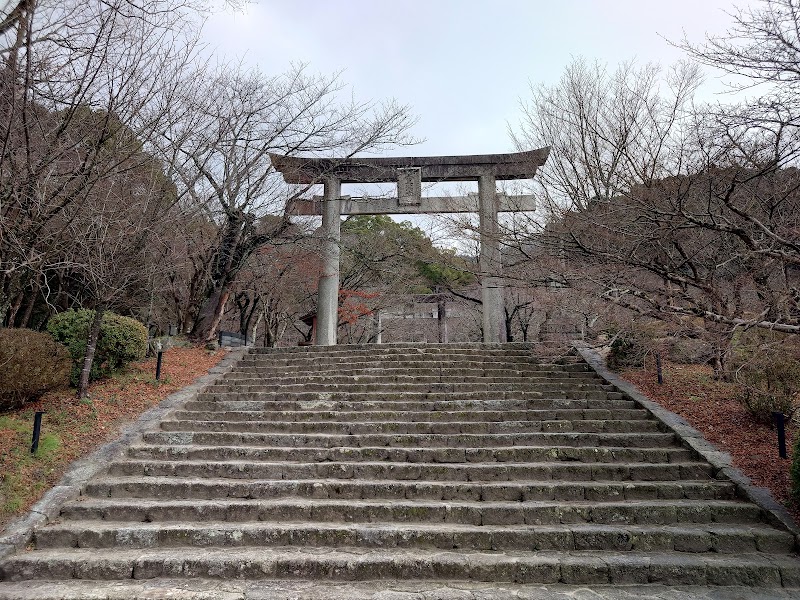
(409, 173)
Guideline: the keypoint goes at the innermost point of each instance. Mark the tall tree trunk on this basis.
(14, 309)
(26, 317)
(509, 318)
(91, 346)
(5, 281)
(205, 327)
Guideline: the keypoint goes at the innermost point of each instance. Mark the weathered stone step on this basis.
(179, 487)
(386, 353)
(382, 376)
(400, 427)
(352, 563)
(518, 454)
(296, 375)
(539, 349)
(408, 415)
(406, 366)
(357, 387)
(570, 471)
(597, 398)
(449, 358)
(411, 348)
(467, 440)
(527, 348)
(383, 356)
(299, 589)
(465, 512)
(723, 539)
(317, 403)
(341, 375)
(337, 378)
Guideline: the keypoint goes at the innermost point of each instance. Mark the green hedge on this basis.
(32, 363)
(122, 340)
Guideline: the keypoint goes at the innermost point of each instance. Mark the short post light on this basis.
(37, 430)
(160, 351)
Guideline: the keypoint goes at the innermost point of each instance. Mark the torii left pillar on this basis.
(328, 290)
(491, 262)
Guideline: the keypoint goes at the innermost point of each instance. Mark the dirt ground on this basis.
(710, 407)
(72, 428)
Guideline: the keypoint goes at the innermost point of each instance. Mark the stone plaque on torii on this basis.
(409, 173)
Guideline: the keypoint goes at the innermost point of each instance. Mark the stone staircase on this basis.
(445, 467)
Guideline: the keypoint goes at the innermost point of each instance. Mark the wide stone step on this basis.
(357, 387)
(386, 352)
(434, 376)
(400, 427)
(377, 366)
(544, 471)
(299, 589)
(395, 361)
(390, 440)
(336, 378)
(539, 350)
(426, 375)
(598, 399)
(464, 512)
(535, 350)
(180, 487)
(288, 375)
(720, 538)
(352, 563)
(318, 402)
(383, 356)
(409, 415)
(518, 454)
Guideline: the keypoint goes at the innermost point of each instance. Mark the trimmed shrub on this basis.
(769, 383)
(627, 350)
(686, 350)
(122, 340)
(32, 364)
(765, 365)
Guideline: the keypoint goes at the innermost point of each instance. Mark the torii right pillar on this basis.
(491, 262)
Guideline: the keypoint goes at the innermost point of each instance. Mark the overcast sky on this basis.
(462, 65)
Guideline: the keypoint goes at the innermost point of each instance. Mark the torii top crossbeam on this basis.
(516, 165)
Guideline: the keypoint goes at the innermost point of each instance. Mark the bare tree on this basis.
(112, 235)
(84, 90)
(80, 99)
(673, 211)
(276, 286)
(222, 154)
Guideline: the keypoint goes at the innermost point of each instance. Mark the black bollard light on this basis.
(780, 423)
(37, 430)
(658, 368)
(160, 350)
(158, 365)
